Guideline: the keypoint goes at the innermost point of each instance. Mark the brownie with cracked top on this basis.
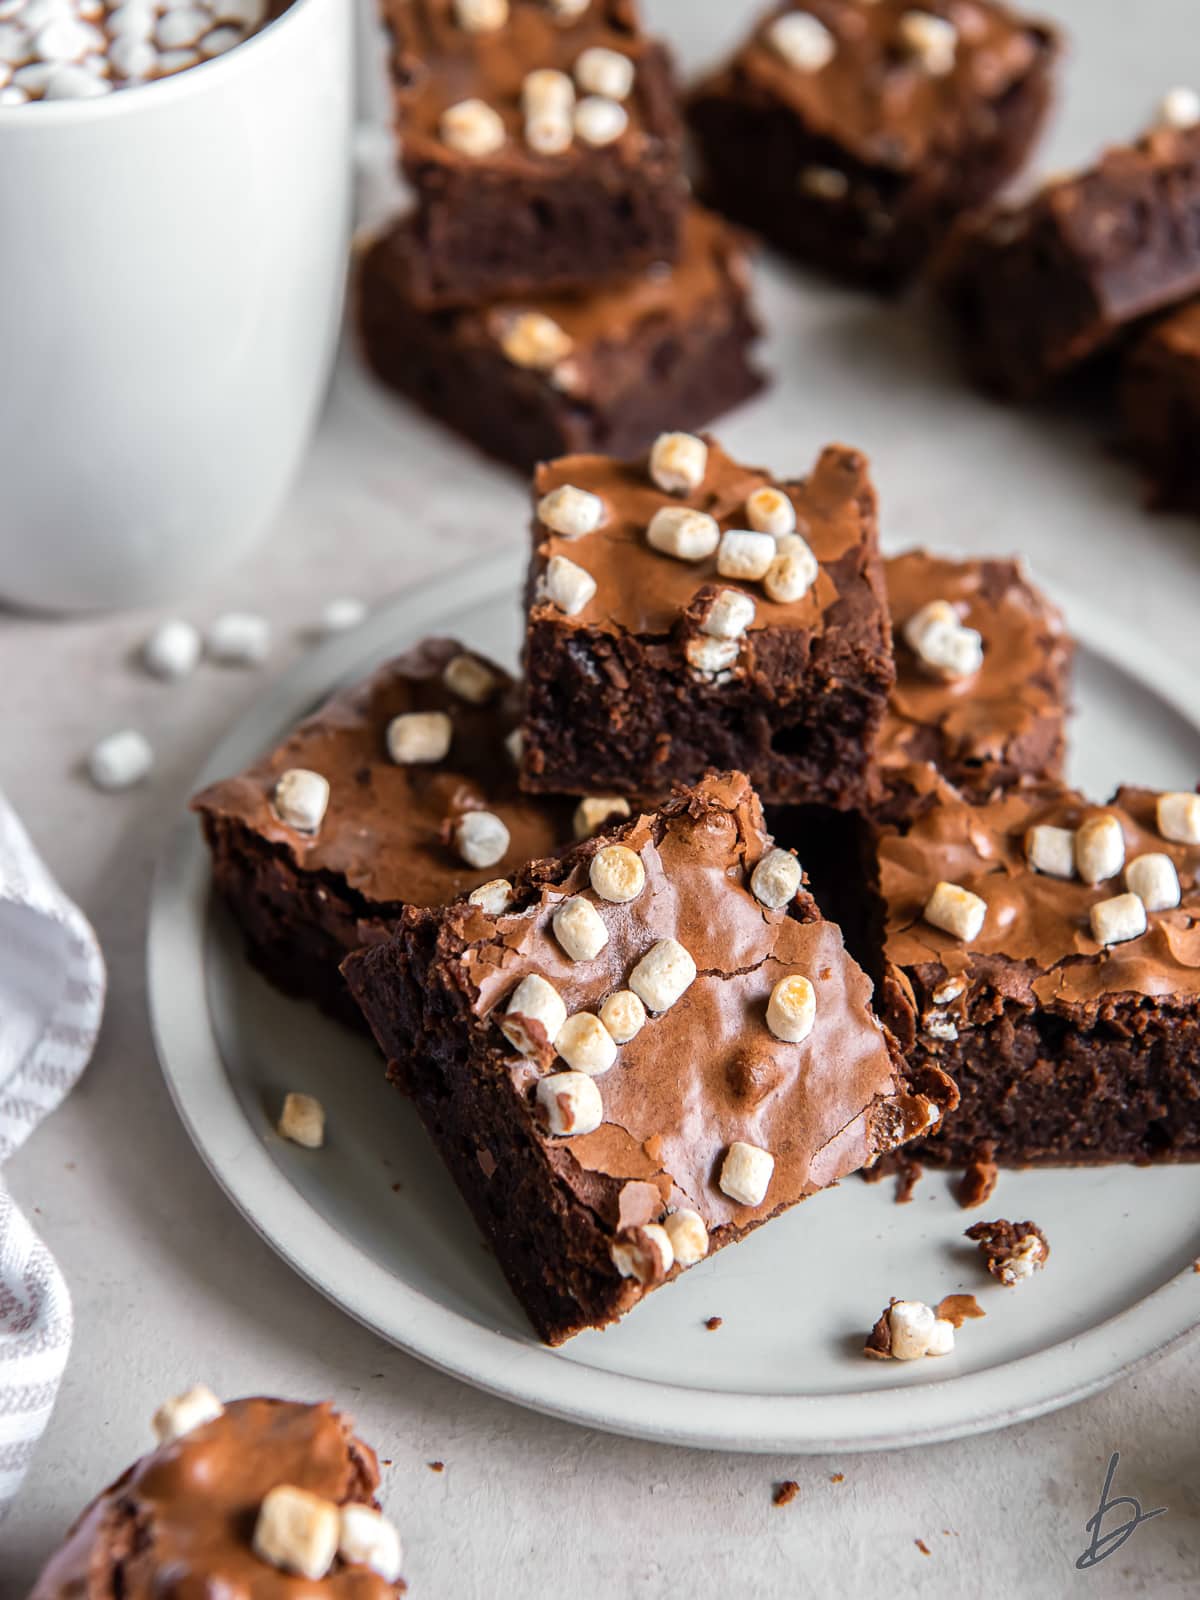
(1160, 404)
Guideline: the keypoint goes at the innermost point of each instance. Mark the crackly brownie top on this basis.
(388, 828)
(708, 1071)
(889, 82)
(182, 1519)
(997, 714)
(1037, 943)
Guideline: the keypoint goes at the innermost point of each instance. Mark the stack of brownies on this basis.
(552, 289)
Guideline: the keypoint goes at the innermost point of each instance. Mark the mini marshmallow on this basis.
(301, 799)
(775, 879)
(949, 990)
(792, 1009)
(678, 462)
(585, 1044)
(302, 1120)
(939, 1026)
(494, 897)
(571, 1103)
(74, 83)
(567, 586)
(547, 91)
(1099, 848)
(419, 737)
(481, 838)
(600, 122)
(931, 40)
(514, 744)
(1051, 850)
(132, 21)
(120, 760)
(537, 1002)
(338, 616)
(1178, 817)
(215, 44)
(33, 78)
(686, 535)
(172, 650)
(688, 1236)
(793, 572)
(66, 39)
(645, 1253)
(770, 511)
(568, 10)
(1027, 1257)
(133, 58)
(481, 16)
(248, 14)
(802, 41)
(745, 555)
(941, 1339)
(472, 128)
(367, 1539)
(1179, 108)
(956, 910)
(15, 44)
(746, 1173)
(604, 72)
(580, 929)
(534, 340)
(624, 1015)
(617, 874)
(297, 1531)
(941, 643)
(179, 30)
(663, 975)
(570, 511)
(1118, 919)
(711, 657)
(1154, 880)
(239, 639)
(180, 1415)
(730, 614)
(470, 679)
(911, 1324)
(595, 810)
(176, 61)
(824, 183)
(13, 95)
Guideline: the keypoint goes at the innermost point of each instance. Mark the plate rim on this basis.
(521, 1370)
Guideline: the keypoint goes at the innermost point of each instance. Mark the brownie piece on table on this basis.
(557, 375)
(688, 613)
(543, 142)
(1160, 403)
(852, 135)
(1035, 289)
(260, 1498)
(389, 832)
(1049, 951)
(657, 1046)
(987, 719)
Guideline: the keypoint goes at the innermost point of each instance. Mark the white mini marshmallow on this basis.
(184, 1412)
(248, 14)
(72, 82)
(494, 897)
(730, 614)
(585, 1044)
(12, 95)
(297, 1531)
(824, 183)
(745, 555)
(624, 1015)
(179, 30)
(34, 78)
(770, 511)
(367, 1539)
(217, 43)
(566, 585)
(302, 1120)
(1178, 817)
(481, 16)
(419, 737)
(131, 21)
(746, 1173)
(663, 975)
(911, 1323)
(66, 39)
(939, 1026)
(941, 643)
(1179, 108)
(172, 650)
(471, 679)
(678, 462)
(792, 1009)
(617, 874)
(1027, 1257)
(688, 1236)
(580, 929)
(341, 614)
(956, 910)
(239, 639)
(600, 122)
(1051, 850)
(472, 128)
(802, 41)
(776, 878)
(594, 811)
(534, 340)
(570, 511)
(687, 535)
(15, 44)
(120, 760)
(604, 72)
(571, 1103)
(534, 1015)
(712, 657)
(547, 90)
(301, 799)
(1099, 848)
(941, 1340)
(1118, 919)
(932, 40)
(1154, 880)
(481, 838)
(132, 58)
(176, 61)
(646, 1254)
(949, 990)
(793, 572)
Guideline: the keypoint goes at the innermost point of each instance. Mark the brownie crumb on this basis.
(436, 1466)
(896, 1164)
(921, 1546)
(1011, 1251)
(879, 1340)
(384, 1462)
(396, 1188)
(785, 1492)
(978, 1182)
(1196, 1266)
(713, 1323)
(837, 1477)
(956, 1308)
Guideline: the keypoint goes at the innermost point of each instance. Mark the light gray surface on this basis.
(170, 1284)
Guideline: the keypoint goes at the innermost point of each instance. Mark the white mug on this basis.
(172, 267)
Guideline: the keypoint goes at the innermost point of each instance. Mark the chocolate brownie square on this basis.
(543, 143)
(308, 883)
(688, 613)
(556, 375)
(1160, 403)
(657, 1046)
(1049, 961)
(852, 135)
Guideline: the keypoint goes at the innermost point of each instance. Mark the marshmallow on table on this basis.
(302, 1120)
(239, 638)
(343, 612)
(120, 760)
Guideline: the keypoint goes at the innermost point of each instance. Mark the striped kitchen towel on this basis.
(51, 1000)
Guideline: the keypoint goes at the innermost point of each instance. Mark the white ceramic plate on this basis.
(374, 1222)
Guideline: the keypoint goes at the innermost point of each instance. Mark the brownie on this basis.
(1065, 1050)
(660, 1152)
(852, 135)
(1160, 403)
(182, 1519)
(1035, 289)
(667, 347)
(518, 220)
(634, 690)
(304, 900)
(1000, 725)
